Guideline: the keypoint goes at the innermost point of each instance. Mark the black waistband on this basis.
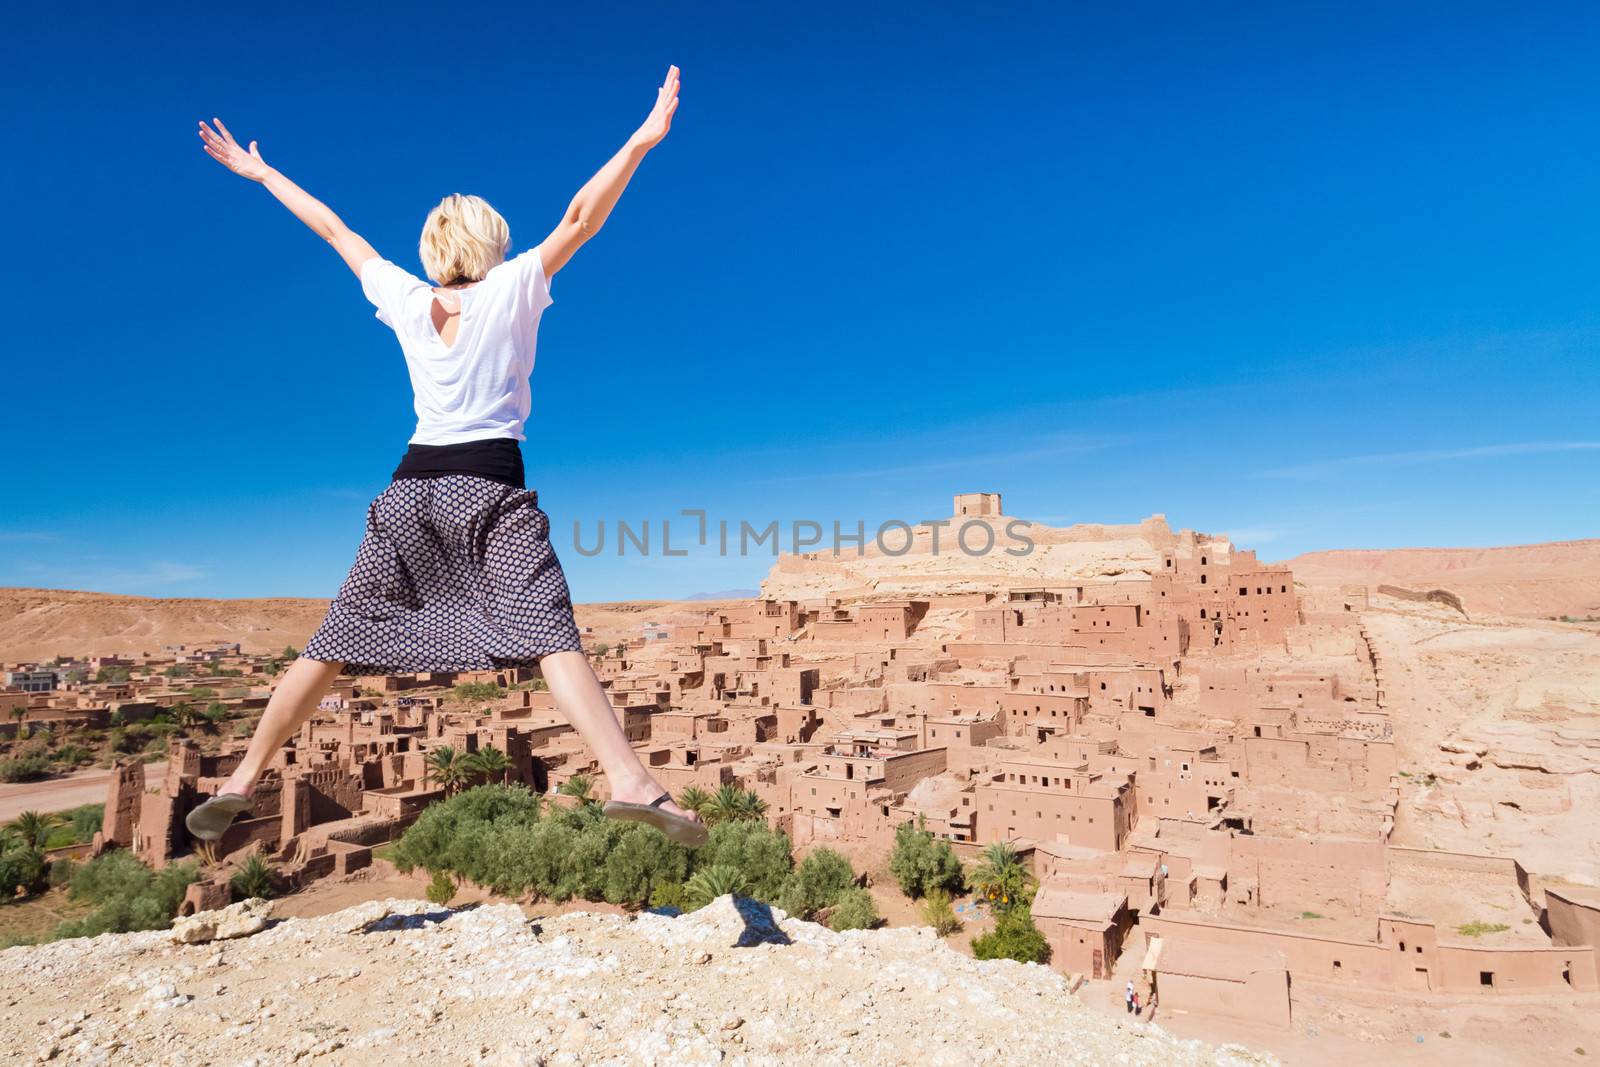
(496, 458)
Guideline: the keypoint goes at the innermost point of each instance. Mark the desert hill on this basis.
(37, 624)
(915, 564)
(1545, 580)
(408, 982)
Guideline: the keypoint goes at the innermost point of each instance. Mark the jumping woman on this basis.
(456, 571)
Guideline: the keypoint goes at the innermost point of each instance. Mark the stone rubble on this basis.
(410, 982)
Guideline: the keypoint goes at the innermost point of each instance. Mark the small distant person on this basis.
(1136, 1004)
(456, 571)
(1130, 996)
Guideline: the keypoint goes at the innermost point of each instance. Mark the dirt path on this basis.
(60, 794)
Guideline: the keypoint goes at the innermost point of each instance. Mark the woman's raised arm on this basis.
(221, 146)
(589, 209)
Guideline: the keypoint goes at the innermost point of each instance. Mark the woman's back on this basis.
(472, 382)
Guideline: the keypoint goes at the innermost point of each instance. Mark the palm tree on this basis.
(579, 787)
(752, 807)
(35, 828)
(694, 799)
(730, 804)
(1001, 877)
(19, 713)
(185, 714)
(709, 883)
(446, 768)
(488, 763)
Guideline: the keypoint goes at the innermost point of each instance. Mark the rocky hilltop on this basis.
(407, 982)
(928, 560)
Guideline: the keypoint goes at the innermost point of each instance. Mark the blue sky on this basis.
(1320, 276)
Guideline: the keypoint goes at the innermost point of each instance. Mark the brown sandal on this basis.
(684, 831)
(209, 820)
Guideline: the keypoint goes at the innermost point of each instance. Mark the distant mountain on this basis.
(727, 594)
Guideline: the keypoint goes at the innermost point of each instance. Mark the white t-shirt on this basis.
(478, 387)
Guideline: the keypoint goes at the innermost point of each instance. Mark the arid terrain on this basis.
(1544, 581)
(408, 982)
(1436, 714)
(42, 623)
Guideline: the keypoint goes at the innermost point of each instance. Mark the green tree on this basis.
(694, 799)
(34, 828)
(488, 764)
(579, 787)
(254, 878)
(475, 693)
(446, 768)
(855, 910)
(289, 652)
(732, 804)
(112, 675)
(1001, 878)
(921, 863)
(185, 714)
(817, 882)
(20, 712)
(1014, 937)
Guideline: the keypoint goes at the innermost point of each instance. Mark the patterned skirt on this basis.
(456, 573)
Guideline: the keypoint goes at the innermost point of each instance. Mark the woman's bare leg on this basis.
(293, 700)
(583, 701)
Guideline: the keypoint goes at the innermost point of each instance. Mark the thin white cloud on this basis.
(1438, 455)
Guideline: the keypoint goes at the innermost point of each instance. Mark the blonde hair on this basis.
(462, 238)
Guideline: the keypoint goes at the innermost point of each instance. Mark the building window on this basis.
(1486, 978)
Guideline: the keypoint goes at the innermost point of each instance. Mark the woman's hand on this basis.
(660, 121)
(225, 150)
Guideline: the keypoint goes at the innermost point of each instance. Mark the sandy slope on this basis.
(1544, 580)
(43, 623)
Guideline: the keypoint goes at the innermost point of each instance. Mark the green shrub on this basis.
(442, 889)
(816, 883)
(1014, 937)
(641, 861)
(127, 895)
(72, 755)
(921, 863)
(22, 867)
(254, 878)
(503, 838)
(24, 768)
(763, 855)
(937, 913)
(477, 692)
(712, 882)
(855, 911)
(61, 872)
(1477, 928)
(667, 895)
